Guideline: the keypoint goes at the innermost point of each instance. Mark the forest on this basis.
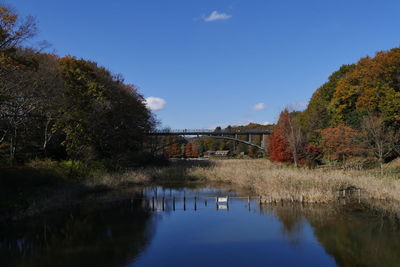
(64, 107)
(353, 119)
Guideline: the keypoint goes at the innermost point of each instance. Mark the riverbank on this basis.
(31, 190)
(276, 182)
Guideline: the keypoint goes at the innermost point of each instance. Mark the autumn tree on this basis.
(381, 140)
(340, 142)
(14, 30)
(102, 117)
(191, 150)
(372, 86)
(287, 138)
(318, 114)
(29, 110)
(279, 148)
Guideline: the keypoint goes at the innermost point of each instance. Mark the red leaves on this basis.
(279, 149)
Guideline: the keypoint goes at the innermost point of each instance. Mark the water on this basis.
(199, 232)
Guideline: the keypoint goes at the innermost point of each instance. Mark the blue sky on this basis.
(219, 62)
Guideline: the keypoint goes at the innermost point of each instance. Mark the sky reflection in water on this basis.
(129, 233)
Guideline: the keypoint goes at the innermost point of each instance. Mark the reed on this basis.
(281, 182)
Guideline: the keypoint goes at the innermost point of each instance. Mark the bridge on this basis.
(226, 134)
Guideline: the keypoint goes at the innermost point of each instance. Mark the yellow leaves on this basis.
(366, 87)
(7, 18)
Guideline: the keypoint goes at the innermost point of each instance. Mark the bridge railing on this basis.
(205, 131)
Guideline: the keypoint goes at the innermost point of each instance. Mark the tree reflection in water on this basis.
(353, 235)
(87, 236)
(118, 234)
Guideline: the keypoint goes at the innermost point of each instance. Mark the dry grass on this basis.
(279, 182)
(274, 182)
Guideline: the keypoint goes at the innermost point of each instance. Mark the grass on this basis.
(43, 185)
(278, 181)
(272, 181)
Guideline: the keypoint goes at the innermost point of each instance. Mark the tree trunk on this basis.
(13, 144)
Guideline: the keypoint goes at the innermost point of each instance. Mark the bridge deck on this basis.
(209, 132)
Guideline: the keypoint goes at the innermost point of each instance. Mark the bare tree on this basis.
(294, 135)
(14, 31)
(380, 139)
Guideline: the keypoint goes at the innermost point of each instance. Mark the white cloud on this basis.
(155, 103)
(215, 15)
(258, 107)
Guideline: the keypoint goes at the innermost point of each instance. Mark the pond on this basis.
(162, 226)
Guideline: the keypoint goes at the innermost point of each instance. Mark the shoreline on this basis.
(275, 183)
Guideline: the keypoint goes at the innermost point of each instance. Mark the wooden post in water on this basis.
(195, 203)
(184, 202)
(260, 200)
(152, 203)
(163, 205)
(205, 202)
(173, 203)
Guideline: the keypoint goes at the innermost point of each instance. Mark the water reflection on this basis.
(187, 226)
(353, 235)
(89, 235)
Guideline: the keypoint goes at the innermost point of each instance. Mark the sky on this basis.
(208, 63)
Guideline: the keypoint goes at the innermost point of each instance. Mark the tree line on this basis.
(64, 107)
(354, 115)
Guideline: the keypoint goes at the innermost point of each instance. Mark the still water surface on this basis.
(198, 232)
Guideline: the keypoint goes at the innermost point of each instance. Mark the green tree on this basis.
(102, 117)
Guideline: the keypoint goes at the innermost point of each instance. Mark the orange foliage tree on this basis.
(279, 149)
(191, 150)
(340, 142)
(372, 86)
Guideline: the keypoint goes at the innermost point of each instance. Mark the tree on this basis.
(191, 150)
(318, 114)
(287, 138)
(294, 135)
(380, 139)
(372, 86)
(29, 110)
(279, 148)
(102, 117)
(340, 142)
(13, 32)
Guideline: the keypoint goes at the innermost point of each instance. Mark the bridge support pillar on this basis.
(250, 138)
(264, 142)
